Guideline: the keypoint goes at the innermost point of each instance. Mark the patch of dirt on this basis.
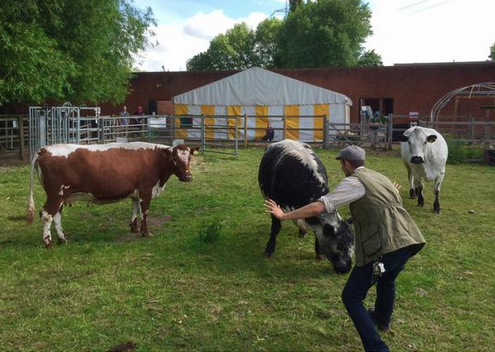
(128, 237)
(157, 221)
(17, 218)
(125, 347)
(153, 222)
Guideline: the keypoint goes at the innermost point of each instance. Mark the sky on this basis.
(404, 31)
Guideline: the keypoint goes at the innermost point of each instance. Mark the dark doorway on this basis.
(385, 106)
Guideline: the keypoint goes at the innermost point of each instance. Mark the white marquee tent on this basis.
(263, 96)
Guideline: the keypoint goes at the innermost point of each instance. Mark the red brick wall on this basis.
(415, 87)
(412, 87)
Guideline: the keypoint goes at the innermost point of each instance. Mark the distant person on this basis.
(139, 112)
(374, 124)
(124, 118)
(269, 133)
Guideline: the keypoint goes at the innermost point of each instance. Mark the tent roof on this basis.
(257, 86)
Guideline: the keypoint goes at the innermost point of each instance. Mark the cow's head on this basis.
(180, 157)
(336, 240)
(417, 141)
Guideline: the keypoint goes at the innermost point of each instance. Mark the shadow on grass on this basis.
(242, 251)
(238, 250)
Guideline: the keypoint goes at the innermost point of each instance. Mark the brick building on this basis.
(398, 89)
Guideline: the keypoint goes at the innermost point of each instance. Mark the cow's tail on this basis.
(31, 210)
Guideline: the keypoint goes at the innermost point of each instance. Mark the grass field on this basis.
(202, 283)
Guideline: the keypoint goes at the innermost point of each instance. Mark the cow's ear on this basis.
(403, 138)
(431, 138)
(167, 152)
(349, 221)
(409, 131)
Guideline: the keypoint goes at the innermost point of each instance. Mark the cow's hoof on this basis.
(48, 244)
(147, 234)
(134, 229)
(320, 257)
(63, 240)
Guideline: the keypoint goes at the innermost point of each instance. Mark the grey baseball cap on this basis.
(352, 152)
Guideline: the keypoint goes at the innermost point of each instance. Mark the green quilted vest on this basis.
(381, 224)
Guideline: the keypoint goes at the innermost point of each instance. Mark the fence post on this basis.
(325, 132)
(487, 137)
(285, 125)
(390, 131)
(148, 123)
(20, 124)
(101, 128)
(245, 130)
(236, 136)
(202, 134)
(471, 127)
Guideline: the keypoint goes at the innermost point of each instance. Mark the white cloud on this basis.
(405, 31)
(408, 31)
(207, 26)
(182, 41)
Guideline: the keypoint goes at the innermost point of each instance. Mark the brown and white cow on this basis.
(103, 174)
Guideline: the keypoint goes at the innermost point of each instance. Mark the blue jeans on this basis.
(360, 281)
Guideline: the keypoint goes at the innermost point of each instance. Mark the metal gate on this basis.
(222, 138)
(61, 124)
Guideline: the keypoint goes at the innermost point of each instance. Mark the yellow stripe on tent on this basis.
(233, 111)
(320, 109)
(180, 109)
(208, 111)
(261, 122)
(292, 121)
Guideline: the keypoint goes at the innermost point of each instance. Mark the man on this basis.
(269, 133)
(386, 237)
(374, 123)
(139, 112)
(124, 120)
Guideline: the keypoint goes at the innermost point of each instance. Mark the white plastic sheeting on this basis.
(264, 96)
(256, 86)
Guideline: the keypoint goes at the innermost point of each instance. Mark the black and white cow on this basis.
(424, 153)
(293, 176)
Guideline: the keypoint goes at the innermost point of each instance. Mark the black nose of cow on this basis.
(186, 178)
(417, 160)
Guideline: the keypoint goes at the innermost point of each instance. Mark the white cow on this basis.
(424, 153)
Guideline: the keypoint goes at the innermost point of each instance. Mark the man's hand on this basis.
(397, 186)
(274, 209)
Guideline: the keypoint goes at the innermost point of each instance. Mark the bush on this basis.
(457, 152)
(211, 234)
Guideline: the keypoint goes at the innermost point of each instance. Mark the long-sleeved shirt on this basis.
(346, 192)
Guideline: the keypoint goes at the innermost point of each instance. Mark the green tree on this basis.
(266, 41)
(370, 59)
(240, 48)
(324, 33)
(294, 4)
(234, 50)
(76, 50)
(492, 52)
